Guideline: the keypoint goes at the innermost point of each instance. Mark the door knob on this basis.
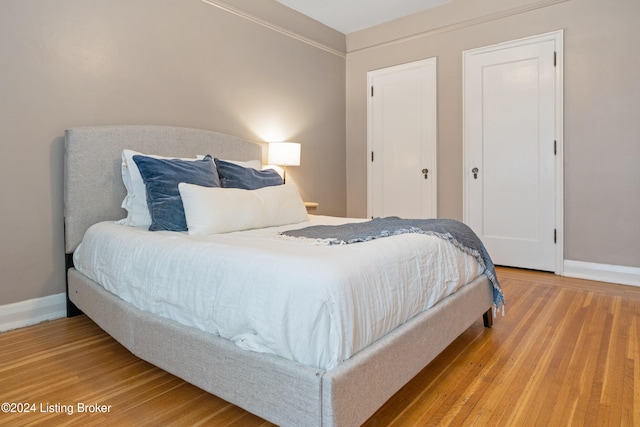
(475, 171)
(425, 171)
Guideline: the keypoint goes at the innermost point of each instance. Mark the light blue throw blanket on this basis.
(453, 231)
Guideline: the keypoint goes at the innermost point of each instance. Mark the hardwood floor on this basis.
(566, 353)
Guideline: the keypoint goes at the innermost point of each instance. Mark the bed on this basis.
(291, 389)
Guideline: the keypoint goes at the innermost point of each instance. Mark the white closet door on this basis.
(510, 147)
(402, 141)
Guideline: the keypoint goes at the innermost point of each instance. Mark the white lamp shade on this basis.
(284, 153)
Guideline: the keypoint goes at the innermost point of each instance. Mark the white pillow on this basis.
(211, 210)
(135, 202)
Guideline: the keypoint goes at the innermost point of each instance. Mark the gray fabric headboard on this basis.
(93, 188)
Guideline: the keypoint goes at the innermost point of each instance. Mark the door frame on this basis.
(433, 175)
(557, 37)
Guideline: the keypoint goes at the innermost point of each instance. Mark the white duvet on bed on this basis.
(312, 303)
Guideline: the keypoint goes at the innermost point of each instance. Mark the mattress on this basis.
(297, 298)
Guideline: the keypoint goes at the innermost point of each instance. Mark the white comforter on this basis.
(308, 302)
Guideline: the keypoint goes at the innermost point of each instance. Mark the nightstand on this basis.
(311, 206)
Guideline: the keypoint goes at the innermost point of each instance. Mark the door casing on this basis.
(425, 156)
(557, 38)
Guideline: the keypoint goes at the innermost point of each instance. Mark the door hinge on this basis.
(555, 58)
(555, 147)
(372, 156)
(371, 90)
(555, 235)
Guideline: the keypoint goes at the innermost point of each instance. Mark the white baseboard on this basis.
(602, 272)
(33, 311)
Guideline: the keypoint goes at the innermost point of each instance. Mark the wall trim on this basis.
(602, 272)
(33, 311)
(277, 28)
(459, 25)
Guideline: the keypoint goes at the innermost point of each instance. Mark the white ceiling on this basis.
(348, 16)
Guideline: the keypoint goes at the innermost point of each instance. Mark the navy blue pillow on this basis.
(161, 178)
(235, 176)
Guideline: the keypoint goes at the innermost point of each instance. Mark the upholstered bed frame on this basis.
(281, 391)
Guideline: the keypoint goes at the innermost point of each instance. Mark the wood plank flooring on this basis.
(567, 353)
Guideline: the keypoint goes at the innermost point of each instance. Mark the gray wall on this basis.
(68, 63)
(601, 107)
